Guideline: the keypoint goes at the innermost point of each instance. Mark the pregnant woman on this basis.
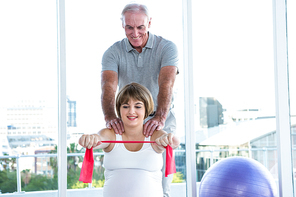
(132, 169)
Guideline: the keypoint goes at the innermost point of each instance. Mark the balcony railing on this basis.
(178, 153)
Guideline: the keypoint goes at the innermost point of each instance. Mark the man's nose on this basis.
(135, 32)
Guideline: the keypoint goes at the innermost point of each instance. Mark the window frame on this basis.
(283, 122)
(281, 93)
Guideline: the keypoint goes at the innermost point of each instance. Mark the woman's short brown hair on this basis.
(137, 92)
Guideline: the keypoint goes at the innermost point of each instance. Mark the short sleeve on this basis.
(170, 55)
(110, 60)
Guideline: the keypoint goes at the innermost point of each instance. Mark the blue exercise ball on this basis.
(237, 177)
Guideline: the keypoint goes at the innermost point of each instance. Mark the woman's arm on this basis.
(94, 140)
(164, 139)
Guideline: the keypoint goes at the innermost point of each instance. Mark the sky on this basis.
(232, 48)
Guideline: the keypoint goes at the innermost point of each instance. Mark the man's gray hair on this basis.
(135, 7)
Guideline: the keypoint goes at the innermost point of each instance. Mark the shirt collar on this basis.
(149, 43)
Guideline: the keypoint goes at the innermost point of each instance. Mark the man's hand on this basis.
(116, 124)
(155, 123)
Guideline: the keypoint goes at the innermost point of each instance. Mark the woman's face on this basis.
(133, 112)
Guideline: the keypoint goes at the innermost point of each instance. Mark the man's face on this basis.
(136, 29)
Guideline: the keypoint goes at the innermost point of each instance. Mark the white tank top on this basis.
(133, 174)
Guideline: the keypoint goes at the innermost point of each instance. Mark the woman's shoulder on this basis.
(107, 134)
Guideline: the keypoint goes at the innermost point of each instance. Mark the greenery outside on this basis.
(36, 182)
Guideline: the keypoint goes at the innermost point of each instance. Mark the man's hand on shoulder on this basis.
(116, 124)
(155, 123)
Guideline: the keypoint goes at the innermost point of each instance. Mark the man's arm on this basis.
(166, 82)
(109, 82)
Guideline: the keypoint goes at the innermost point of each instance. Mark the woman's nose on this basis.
(131, 110)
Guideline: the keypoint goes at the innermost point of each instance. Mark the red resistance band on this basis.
(88, 161)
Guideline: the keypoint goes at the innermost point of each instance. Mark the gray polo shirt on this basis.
(142, 68)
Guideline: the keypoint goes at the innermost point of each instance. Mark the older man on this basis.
(143, 58)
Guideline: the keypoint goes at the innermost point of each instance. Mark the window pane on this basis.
(92, 27)
(28, 102)
(234, 82)
(291, 29)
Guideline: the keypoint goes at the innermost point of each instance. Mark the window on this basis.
(233, 81)
(28, 68)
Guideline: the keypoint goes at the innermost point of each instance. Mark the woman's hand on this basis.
(163, 139)
(166, 139)
(89, 141)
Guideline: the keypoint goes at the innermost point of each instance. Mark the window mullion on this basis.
(285, 170)
(189, 100)
(62, 102)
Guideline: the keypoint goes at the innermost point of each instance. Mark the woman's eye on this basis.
(138, 107)
(124, 106)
